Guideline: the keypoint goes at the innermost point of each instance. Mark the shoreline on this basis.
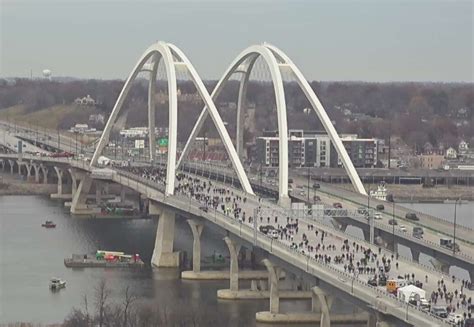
(16, 185)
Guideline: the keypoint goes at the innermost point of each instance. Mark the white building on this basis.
(463, 147)
(134, 132)
(85, 101)
(451, 153)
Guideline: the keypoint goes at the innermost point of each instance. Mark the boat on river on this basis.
(104, 259)
(56, 284)
(48, 224)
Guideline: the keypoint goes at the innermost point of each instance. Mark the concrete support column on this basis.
(78, 204)
(163, 255)
(59, 173)
(122, 194)
(12, 163)
(37, 173)
(98, 192)
(196, 229)
(366, 235)
(19, 163)
(440, 265)
(45, 173)
(234, 250)
(2, 164)
(29, 167)
(415, 254)
(273, 280)
(74, 182)
(325, 301)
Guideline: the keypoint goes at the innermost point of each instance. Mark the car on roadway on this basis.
(203, 208)
(393, 222)
(337, 205)
(418, 232)
(439, 311)
(377, 216)
(265, 229)
(274, 233)
(412, 216)
(316, 186)
(455, 318)
(302, 192)
(403, 228)
(316, 198)
(380, 207)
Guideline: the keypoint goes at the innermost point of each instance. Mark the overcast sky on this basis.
(379, 40)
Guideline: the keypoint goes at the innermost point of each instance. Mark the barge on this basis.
(104, 259)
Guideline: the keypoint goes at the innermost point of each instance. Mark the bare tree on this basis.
(101, 297)
(129, 300)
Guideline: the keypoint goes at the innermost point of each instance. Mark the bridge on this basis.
(322, 257)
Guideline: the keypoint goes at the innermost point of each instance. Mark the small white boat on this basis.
(56, 284)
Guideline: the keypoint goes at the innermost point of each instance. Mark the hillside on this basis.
(54, 117)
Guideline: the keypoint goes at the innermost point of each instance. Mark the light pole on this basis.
(454, 232)
(309, 172)
(393, 227)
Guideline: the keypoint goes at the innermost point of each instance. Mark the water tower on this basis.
(47, 74)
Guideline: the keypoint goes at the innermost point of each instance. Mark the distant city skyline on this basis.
(375, 41)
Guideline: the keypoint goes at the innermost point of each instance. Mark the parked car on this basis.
(418, 232)
(274, 233)
(380, 207)
(392, 222)
(337, 205)
(265, 229)
(439, 311)
(449, 244)
(412, 216)
(455, 318)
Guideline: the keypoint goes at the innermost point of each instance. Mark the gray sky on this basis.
(376, 40)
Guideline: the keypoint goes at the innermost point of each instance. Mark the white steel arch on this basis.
(172, 57)
(276, 61)
(240, 65)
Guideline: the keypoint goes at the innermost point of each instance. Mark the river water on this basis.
(30, 255)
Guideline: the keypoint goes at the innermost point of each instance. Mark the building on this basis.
(314, 149)
(451, 153)
(463, 147)
(85, 101)
(431, 161)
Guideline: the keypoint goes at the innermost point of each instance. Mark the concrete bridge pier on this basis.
(79, 205)
(196, 229)
(163, 255)
(74, 182)
(59, 174)
(29, 168)
(2, 163)
(324, 301)
(12, 164)
(415, 254)
(19, 163)
(37, 169)
(376, 319)
(441, 265)
(45, 173)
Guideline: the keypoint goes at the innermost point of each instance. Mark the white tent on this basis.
(410, 291)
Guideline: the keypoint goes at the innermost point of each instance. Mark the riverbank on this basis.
(418, 193)
(15, 185)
